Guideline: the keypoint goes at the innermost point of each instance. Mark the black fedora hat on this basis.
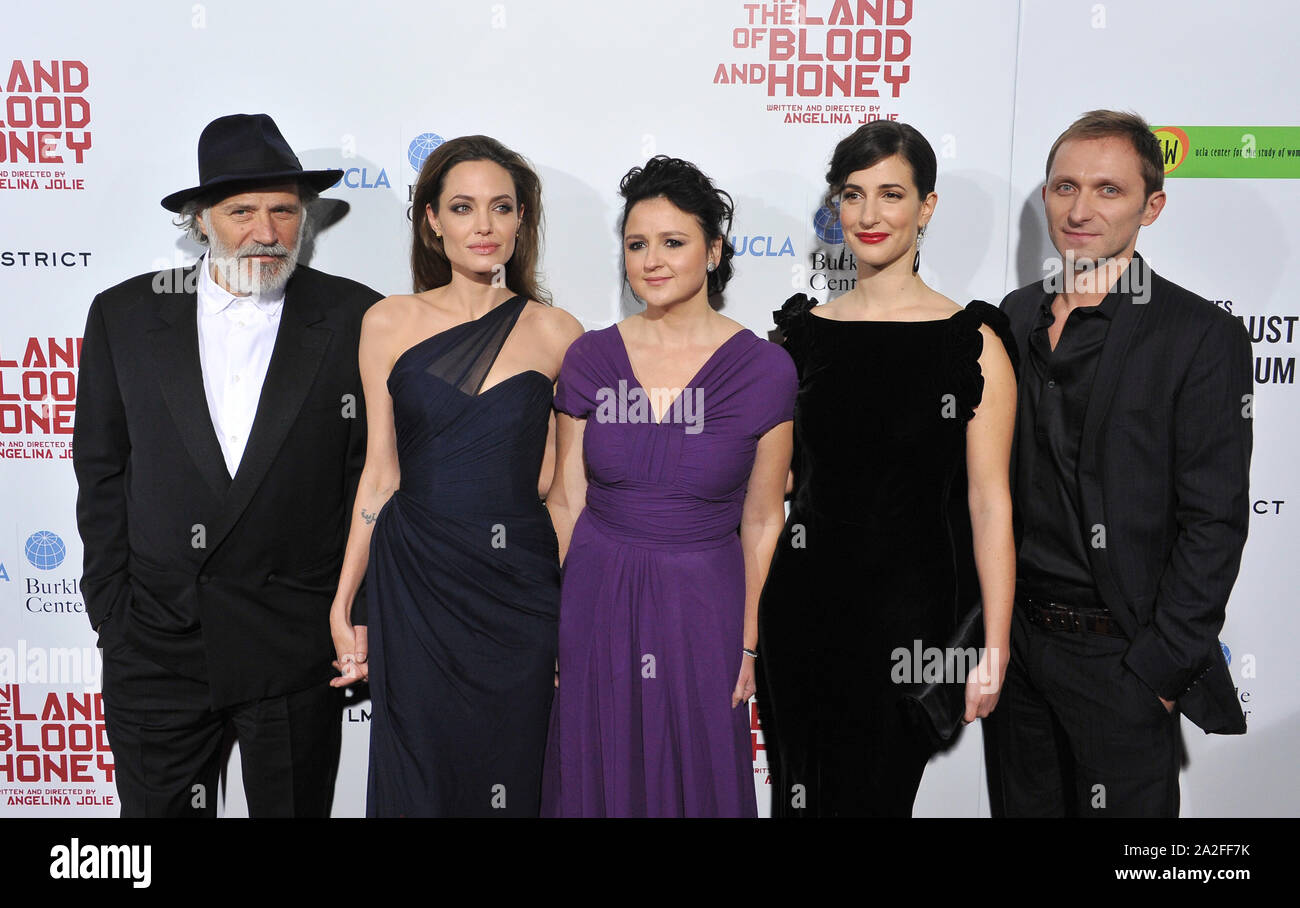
(242, 150)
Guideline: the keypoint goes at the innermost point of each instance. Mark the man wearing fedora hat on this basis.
(219, 439)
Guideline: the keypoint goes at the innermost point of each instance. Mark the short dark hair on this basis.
(870, 144)
(683, 184)
(430, 266)
(1102, 124)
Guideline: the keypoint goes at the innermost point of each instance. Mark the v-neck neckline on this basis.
(631, 370)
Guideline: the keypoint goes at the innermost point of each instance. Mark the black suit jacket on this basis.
(219, 579)
(1164, 469)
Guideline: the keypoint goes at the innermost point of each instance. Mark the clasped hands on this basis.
(351, 648)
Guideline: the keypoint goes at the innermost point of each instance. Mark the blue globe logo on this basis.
(1227, 654)
(421, 147)
(826, 224)
(45, 550)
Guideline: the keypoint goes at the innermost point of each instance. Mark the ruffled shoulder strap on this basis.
(996, 319)
(793, 312)
(966, 343)
(791, 320)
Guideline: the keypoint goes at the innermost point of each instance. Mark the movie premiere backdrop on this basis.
(102, 105)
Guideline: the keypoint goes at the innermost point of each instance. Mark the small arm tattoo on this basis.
(369, 516)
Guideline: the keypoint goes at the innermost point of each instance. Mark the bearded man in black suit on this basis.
(218, 443)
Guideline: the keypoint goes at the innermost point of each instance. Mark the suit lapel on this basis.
(1119, 337)
(174, 344)
(300, 345)
(1128, 315)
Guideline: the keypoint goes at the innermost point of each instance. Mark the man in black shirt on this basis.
(1129, 475)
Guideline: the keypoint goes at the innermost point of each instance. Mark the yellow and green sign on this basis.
(1231, 152)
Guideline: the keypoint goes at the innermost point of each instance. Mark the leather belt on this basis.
(1061, 616)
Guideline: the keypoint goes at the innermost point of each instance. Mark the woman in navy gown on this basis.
(673, 448)
(459, 555)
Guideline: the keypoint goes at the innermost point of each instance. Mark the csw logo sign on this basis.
(1173, 145)
(1230, 152)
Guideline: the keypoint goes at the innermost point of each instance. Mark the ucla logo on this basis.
(359, 178)
(762, 245)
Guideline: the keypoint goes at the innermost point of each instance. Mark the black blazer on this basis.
(1164, 470)
(219, 579)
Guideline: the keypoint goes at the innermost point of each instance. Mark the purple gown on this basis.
(653, 597)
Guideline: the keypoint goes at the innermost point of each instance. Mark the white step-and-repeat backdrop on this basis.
(102, 104)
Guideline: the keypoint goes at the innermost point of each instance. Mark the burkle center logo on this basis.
(421, 147)
(45, 551)
(826, 224)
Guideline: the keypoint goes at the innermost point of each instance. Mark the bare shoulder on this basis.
(391, 313)
(830, 310)
(941, 306)
(553, 323)
(390, 324)
(731, 326)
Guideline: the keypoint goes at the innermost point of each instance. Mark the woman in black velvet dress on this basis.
(901, 515)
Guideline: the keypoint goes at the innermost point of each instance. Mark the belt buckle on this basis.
(1058, 616)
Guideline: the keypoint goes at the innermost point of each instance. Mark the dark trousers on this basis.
(1076, 733)
(168, 743)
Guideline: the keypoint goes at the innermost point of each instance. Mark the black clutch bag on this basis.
(939, 706)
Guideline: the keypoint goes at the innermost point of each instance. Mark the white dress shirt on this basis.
(236, 337)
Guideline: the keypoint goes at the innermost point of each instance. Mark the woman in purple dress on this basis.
(673, 436)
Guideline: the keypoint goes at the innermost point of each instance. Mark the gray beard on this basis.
(242, 277)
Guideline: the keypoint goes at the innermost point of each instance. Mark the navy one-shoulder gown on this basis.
(464, 585)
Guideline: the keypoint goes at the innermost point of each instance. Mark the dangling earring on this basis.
(916, 262)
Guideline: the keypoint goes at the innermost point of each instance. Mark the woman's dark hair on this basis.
(430, 266)
(683, 184)
(872, 143)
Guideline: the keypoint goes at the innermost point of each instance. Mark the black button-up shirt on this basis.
(1053, 559)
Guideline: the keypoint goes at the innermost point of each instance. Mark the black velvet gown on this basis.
(876, 553)
(463, 585)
